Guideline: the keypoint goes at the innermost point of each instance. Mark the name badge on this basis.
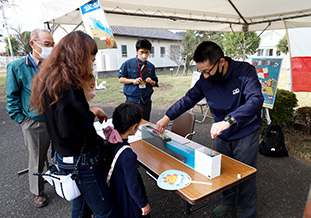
(142, 86)
(68, 160)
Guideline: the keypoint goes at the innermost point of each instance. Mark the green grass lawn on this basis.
(2, 88)
(171, 88)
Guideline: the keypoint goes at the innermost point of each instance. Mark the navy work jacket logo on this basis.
(235, 91)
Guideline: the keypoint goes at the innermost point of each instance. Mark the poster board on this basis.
(96, 25)
(195, 77)
(268, 70)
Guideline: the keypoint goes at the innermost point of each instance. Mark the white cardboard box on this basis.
(207, 162)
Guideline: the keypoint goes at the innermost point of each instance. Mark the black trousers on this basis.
(245, 150)
(145, 109)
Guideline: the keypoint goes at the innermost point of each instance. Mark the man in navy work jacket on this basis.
(139, 78)
(18, 90)
(234, 96)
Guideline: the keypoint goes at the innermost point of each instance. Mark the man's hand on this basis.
(218, 128)
(146, 210)
(100, 114)
(162, 124)
(125, 80)
(137, 81)
(149, 80)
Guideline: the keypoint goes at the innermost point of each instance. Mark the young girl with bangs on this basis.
(126, 184)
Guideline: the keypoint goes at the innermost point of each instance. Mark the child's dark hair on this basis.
(125, 116)
(143, 43)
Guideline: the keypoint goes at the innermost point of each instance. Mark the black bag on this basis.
(106, 150)
(272, 143)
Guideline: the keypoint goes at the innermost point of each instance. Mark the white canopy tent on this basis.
(207, 15)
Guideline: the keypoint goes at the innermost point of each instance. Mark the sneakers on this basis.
(222, 210)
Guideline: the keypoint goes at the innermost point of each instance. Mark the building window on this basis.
(260, 52)
(269, 52)
(162, 52)
(278, 53)
(124, 51)
(151, 52)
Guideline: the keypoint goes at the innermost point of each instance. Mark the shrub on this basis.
(283, 110)
(304, 114)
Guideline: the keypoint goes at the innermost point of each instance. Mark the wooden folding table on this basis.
(233, 173)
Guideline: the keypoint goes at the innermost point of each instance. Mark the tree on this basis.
(191, 41)
(15, 46)
(23, 38)
(282, 46)
(233, 44)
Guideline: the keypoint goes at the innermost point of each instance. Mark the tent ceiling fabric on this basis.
(208, 15)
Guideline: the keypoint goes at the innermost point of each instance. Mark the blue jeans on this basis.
(92, 184)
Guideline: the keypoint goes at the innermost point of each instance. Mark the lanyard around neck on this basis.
(33, 63)
(141, 73)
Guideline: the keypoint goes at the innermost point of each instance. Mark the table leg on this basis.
(235, 201)
(22, 171)
(187, 208)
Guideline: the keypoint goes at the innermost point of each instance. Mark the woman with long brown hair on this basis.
(59, 93)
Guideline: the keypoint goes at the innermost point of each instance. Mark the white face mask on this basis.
(143, 57)
(90, 95)
(45, 51)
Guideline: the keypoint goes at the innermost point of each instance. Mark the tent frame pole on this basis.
(245, 30)
(289, 81)
(245, 27)
(267, 115)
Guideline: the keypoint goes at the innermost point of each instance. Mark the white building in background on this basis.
(164, 54)
(267, 47)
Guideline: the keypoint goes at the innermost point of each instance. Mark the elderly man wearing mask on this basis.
(18, 90)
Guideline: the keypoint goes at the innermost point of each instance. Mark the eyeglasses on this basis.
(45, 44)
(208, 72)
